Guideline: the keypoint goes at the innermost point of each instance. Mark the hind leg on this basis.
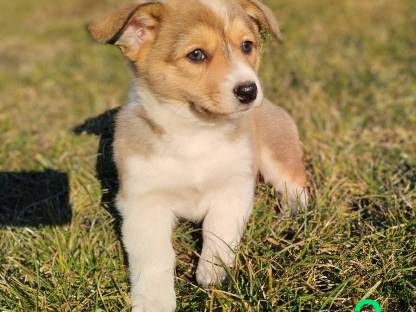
(280, 156)
(287, 178)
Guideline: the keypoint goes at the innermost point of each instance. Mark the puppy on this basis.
(195, 134)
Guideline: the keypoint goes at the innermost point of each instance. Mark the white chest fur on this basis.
(190, 165)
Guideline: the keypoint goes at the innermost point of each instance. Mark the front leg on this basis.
(147, 230)
(223, 228)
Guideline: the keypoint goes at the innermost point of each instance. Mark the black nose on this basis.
(246, 92)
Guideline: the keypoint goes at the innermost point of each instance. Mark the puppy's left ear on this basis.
(132, 28)
(263, 17)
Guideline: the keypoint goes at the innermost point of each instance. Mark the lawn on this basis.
(347, 74)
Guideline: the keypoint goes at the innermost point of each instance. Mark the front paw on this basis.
(294, 199)
(154, 302)
(298, 200)
(209, 274)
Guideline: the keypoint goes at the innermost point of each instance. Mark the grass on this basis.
(347, 74)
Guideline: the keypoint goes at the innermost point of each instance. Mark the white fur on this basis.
(218, 7)
(183, 178)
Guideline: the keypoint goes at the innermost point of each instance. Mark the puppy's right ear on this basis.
(131, 28)
(263, 17)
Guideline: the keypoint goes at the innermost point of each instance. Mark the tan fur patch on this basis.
(135, 134)
(276, 132)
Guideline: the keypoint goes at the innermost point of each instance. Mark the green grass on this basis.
(346, 72)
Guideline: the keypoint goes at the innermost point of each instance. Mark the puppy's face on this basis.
(201, 53)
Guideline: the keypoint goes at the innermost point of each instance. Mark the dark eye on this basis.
(197, 56)
(247, 47)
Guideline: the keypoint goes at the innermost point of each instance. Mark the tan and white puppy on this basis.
(195, 134)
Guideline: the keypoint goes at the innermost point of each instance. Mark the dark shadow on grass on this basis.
(34, 198)
(103, 127)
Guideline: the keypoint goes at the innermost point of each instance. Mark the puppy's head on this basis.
(204, 53)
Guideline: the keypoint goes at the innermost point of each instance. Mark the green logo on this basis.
(368, 302)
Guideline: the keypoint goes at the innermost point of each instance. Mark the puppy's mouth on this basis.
(213, 113)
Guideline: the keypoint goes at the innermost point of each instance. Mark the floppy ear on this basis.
(263, 17)
(130, 28)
